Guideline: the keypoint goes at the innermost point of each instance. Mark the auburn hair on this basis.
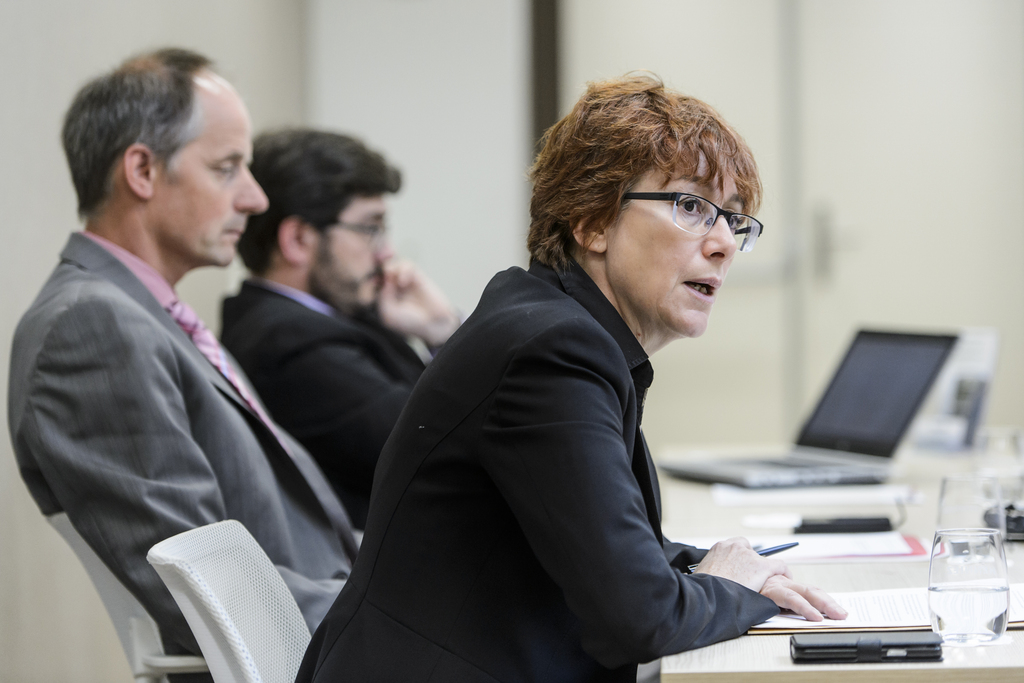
(617, 132)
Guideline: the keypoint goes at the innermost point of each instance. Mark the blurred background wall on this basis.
(890, 135)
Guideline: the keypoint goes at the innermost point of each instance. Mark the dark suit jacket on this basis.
(514, 529)
(120, 421)
(336, 383)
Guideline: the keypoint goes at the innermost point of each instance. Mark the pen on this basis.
(764, 552)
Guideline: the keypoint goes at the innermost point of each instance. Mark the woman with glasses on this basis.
(514, 532)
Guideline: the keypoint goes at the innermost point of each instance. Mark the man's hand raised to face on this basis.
(410, 303)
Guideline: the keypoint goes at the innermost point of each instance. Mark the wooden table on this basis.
(765, 658)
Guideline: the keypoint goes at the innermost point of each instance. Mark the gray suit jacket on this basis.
(118, 420)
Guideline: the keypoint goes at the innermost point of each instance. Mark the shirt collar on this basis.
(153, 281)
(576, 283)
(297, 295)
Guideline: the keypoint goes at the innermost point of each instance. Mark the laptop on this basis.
(854, 430)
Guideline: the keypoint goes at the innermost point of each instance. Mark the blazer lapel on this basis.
(642, 466)
(85, 253)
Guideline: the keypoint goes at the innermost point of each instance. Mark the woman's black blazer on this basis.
(514, 531)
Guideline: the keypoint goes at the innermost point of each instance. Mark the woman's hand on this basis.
(734, 559)
(807, 601)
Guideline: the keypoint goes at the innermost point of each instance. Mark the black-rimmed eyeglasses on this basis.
(376, 232)
(697, 216)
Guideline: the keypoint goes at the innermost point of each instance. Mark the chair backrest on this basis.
(245, 619)
(138, 633)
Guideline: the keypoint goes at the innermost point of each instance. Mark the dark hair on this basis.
(618, 131)
(149, 99)
(311, 174)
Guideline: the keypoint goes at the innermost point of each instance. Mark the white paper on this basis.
(891, 608)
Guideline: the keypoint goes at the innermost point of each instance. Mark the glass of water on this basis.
(968, 592)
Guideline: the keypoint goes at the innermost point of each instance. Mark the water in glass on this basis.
(969, 615)
(968, 591)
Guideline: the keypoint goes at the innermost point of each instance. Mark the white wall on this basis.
(914, 144)
(52, 625)
(905, 123)
(440, 87)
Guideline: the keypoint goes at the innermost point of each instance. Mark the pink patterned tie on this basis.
(208, 345)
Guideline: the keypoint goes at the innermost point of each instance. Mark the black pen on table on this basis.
(764, 552)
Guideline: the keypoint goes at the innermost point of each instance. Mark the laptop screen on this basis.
(876, 392)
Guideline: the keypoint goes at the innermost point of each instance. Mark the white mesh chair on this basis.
(136, 630)
(242, 614)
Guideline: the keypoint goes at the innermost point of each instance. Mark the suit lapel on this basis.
(85, 253)
(577, 284)
(642, 467)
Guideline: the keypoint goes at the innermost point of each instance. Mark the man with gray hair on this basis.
(124, 411)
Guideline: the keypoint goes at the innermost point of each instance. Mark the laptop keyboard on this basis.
(793, 474)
